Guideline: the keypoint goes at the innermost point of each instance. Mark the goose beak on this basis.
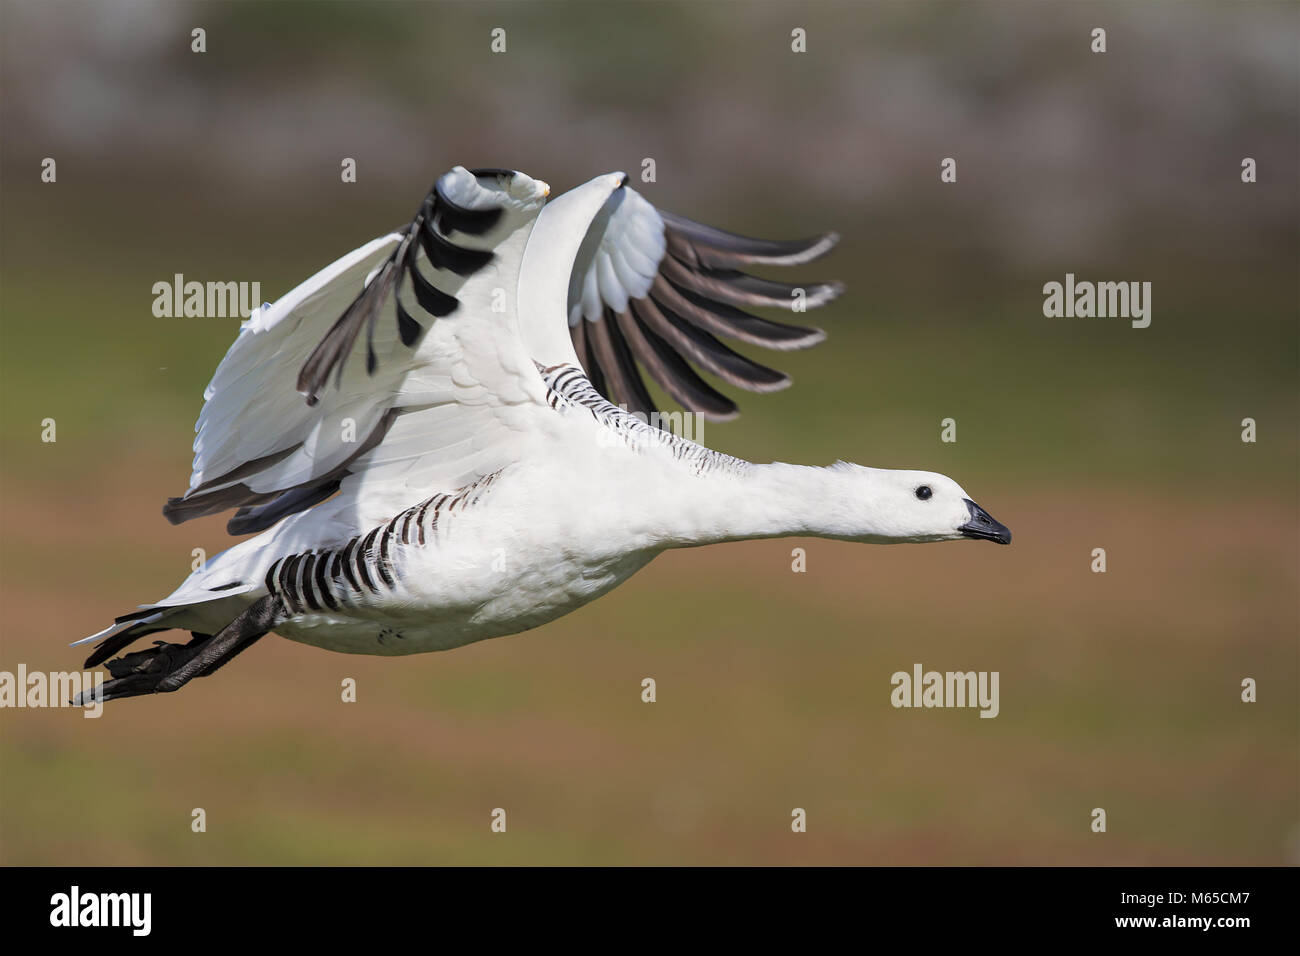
(983, 525)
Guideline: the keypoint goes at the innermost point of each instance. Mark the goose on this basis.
(424, 437)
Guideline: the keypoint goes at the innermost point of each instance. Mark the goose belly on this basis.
(448, 597)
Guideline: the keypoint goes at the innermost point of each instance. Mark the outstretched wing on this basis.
(654, 291)
(401, 358)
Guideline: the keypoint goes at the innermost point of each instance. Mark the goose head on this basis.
(898, 505)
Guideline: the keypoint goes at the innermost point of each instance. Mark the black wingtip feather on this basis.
(408, 330)
(739, 289)
(717, 248)
(432, 299)
(673, 373)
(450, 215)
(704, 350)
(723, 319)
(612, 354)
(446, 255)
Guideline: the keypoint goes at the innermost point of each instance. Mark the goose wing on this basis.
(401, 363)
(655, 291)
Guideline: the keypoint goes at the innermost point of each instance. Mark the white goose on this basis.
(464, 475)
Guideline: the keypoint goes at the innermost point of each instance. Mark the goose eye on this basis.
(924, 492)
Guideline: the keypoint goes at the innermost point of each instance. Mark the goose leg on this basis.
(168, 667)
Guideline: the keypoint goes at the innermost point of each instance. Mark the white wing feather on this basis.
(442, 407)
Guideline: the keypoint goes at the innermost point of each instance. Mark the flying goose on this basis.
(425, 438)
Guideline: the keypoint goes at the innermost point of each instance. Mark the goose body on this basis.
(425, 438)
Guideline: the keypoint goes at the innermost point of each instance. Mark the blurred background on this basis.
(1118, 690)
